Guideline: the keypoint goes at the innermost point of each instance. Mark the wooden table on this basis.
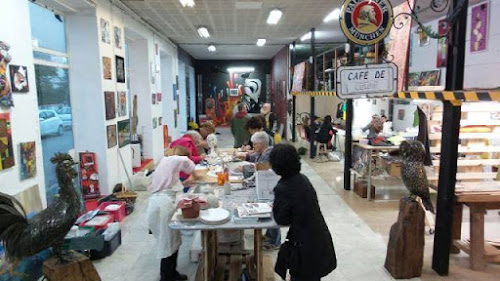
(479, 197)
(370, 149)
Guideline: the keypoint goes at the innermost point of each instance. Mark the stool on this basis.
(321, 148)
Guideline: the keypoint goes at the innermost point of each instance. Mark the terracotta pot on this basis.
(191, 212)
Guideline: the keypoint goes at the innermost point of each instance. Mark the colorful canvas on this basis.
(123, 133)
(479, 28)
(298, 77)
(106, 67)
(118, 37)
(105, 31)
(413, 79)
(120, 69)
(111, 132)
(6, 149)
(109, 98)
(89, 175)
(19, 78)
(5, 88)
(28, 160)
(429, 78)
(166, 142)
(122, 104)
(442, 53)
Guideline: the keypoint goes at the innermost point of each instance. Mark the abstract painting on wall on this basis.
(123, 133)
(19, 78)
(106, 67)
(6, 149)
(120, 69)
(442, 52)
(122, 103)
(118, 37)
(89, 175)
(166, 141)
(109, 98)
(479, 28)
(111, 132)
(5, 88)
(28, 160)
(105, 31)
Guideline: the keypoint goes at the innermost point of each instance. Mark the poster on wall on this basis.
(5, 88)
(479, 27)
(106, 68)
(122, 103)
(123, 133)
(89, 175)
(401, 114)
(423, 38)
(118, 37)
(105, 31)
(28, 160)
(298, 77)
(109, 99)
(111, 132)
(424, 78)
(166, 141)
(19, 78)
(120, 69)
(6, 149)
(442, 52)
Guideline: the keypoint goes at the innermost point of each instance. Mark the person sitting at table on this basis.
(326, 132)
(255, 124)
(261, 149)
(375, 127)
(161, 207)
(296, 205)
(190, 140)
(207, 130)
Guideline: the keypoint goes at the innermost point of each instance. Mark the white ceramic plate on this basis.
(215, 216)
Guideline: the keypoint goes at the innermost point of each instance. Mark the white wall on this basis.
(182, 98)
(364, 109)
(168, 103)
(192, 92)
(407, 122)
(24, 117)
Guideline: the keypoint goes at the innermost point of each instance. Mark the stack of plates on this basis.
(215, 216)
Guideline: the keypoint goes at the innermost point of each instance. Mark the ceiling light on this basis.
(261, 42)
(306, 36)
(212, 48)
(203, 32)
(334, 15)
(274, 16)
(240, 69)
(187, 3)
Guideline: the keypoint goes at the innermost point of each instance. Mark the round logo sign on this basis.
(366, 22)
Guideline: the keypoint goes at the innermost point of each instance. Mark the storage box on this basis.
(394, 169)
(119, 214)
(109, 247)
(361, 190)
(99, 222)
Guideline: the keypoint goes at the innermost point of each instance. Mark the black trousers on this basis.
(168, 267)
(306, 278)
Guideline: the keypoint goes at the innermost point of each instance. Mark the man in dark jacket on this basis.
(238, 123)
(309, 253)
(271, 120)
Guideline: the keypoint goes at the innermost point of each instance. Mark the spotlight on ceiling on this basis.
(240, 69)
(203, 32)
(187, 3)
(212, 48)
(274, 16)
(306, 37)
(334, 15)
(261, 42)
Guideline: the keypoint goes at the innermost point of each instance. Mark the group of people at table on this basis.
(307, 254)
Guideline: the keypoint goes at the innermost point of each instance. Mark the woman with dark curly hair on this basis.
(308, 253)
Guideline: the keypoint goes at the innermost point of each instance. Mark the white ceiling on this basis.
(234, 31)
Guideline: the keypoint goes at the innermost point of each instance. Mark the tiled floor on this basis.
(359, 230)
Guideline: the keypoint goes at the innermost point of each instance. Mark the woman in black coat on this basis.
(308, 253)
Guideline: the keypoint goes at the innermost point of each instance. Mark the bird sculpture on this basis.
(22, 237)
(413, 171)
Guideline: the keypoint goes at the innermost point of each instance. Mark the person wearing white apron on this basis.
(161, 208)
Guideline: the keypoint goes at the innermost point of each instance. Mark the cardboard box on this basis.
(361, 190)
(394, 169)
(119, 214)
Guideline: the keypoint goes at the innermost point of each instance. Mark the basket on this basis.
(128, 196)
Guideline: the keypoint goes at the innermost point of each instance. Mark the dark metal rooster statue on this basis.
(23, 237)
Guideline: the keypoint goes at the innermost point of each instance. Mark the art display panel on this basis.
(479, 28)
(122, 103)
(109, 98)
(105, 36)
(5, 87)
(6, 148)
(89, 175)
(111, 133)
(120, 69)
(28, 160)
(123, 133)
(106, 68)
(19, 78)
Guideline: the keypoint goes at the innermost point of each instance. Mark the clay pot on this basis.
(191, 212)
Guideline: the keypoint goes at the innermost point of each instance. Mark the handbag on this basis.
(288, 258)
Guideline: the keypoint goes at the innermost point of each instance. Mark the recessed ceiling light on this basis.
(241, 69)
(261, 42)
(203, 32)
(306, 36)
(212, 48)
(274, 16)
(187, 3)
(334, 15)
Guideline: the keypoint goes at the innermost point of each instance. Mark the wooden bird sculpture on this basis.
(413, 171)
(22, 237)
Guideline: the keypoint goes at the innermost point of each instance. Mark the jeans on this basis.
(273, 235)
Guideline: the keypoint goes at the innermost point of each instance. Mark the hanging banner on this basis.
(367, 80)
(366, 22)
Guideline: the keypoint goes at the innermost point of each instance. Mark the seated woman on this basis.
(296, 205)
(190, 140)
(261, 149)
(326, 131)
(161, 208)
(207, 130)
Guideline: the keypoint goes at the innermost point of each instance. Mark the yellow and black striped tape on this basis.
(315, 93)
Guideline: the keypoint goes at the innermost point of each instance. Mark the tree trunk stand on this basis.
(405, 252)
(77, 268)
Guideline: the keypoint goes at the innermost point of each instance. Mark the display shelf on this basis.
(468, 136)
(465, 149)
(473, 162)
(468, 176)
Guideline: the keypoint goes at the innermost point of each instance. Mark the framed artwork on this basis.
(28, 160)
(5, 88)
(174, 92)
(413, 79)
(123, 133)
(106, 68)
(89, 175)
(6, 149)
(109, 99)
(175, 118)
(177, 81)
(153, 98)
(298, 77)
(111, 132)
(160, 121)
(429, 78)
(155, 123)
(479, 27)
(442, 53)
(166, 141)
(120, 69)
(118, 37)
(401, 114)
(423, 38)
(158, 97)
(122, 103)
(105, 31)
(19, 78)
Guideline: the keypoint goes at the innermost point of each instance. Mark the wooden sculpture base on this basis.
(78, 267)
